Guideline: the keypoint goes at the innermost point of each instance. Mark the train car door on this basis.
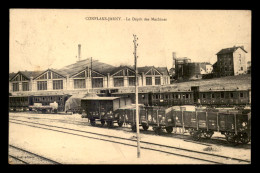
(150, 98)
(195, 90)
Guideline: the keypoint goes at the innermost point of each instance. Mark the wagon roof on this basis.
(100, 98)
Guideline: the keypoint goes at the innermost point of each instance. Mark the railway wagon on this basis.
(166, 99)
(223, 98)
(235, 125)
(103, 108)
(157, 117)
(18, 103)
(46, 100)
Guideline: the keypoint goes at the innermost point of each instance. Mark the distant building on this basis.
(179, 66)
(231, 61)
(249, 67)
(185, 69)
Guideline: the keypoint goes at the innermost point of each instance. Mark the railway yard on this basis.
(70, 139)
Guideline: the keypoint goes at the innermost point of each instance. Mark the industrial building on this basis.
(187, 70)
(83, 76)
(231, 61)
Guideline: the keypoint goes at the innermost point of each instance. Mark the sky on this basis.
(49, 38)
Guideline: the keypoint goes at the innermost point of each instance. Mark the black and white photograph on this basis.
(129, 86)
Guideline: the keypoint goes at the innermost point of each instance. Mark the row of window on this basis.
(47, 99)
(80, 83)
(222, 95)
(169, 96)
(25, 86)
(57, 85)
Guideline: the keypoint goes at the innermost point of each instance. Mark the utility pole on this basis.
(136, 98)
(91, 74)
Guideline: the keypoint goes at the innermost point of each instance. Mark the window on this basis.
(57, 84)
(157, 96)
(204, 96)
(118, 82)
(157, 80)
(187, 96)
(49, 75)
(79, 83)
(241, 68)
(231, 95)
(212, 95)
(222, 94)
(241, 94)
(148, 80)
(97, 82)
(42, 85)
(15, 86)
(25, 86)
(131, 81)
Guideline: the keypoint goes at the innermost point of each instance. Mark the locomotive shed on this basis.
(48, 121)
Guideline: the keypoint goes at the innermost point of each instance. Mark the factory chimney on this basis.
(174, 59)
(79, 47)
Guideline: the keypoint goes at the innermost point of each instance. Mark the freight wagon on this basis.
(102, 109)
(157, 117)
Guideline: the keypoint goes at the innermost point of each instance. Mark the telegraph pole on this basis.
(91, 74)
(136, 98)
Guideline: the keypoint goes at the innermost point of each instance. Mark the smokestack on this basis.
(79, 47)
(173, 58)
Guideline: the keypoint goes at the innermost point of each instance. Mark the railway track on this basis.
(207, 142)
(18, 155)
(177, 151)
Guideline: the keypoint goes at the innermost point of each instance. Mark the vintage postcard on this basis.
(129, 86)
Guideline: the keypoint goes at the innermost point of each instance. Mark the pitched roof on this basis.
(163, 70)
(116, 69)
(11, 75)
(83, 64)
(27, 74)
(144, 69)
(230, 50)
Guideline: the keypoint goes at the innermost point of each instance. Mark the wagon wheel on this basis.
(157, 130)
(236, 139)
(110, 124)
(192, 131)
(145, 127)
(208, 134)
(196, 135)
(230, 137)
(243, 137)
(93, 122)
(120, 124)
(169, 129)
(102, 123)
(133, 128)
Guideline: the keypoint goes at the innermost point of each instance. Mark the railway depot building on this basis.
(80, 76)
